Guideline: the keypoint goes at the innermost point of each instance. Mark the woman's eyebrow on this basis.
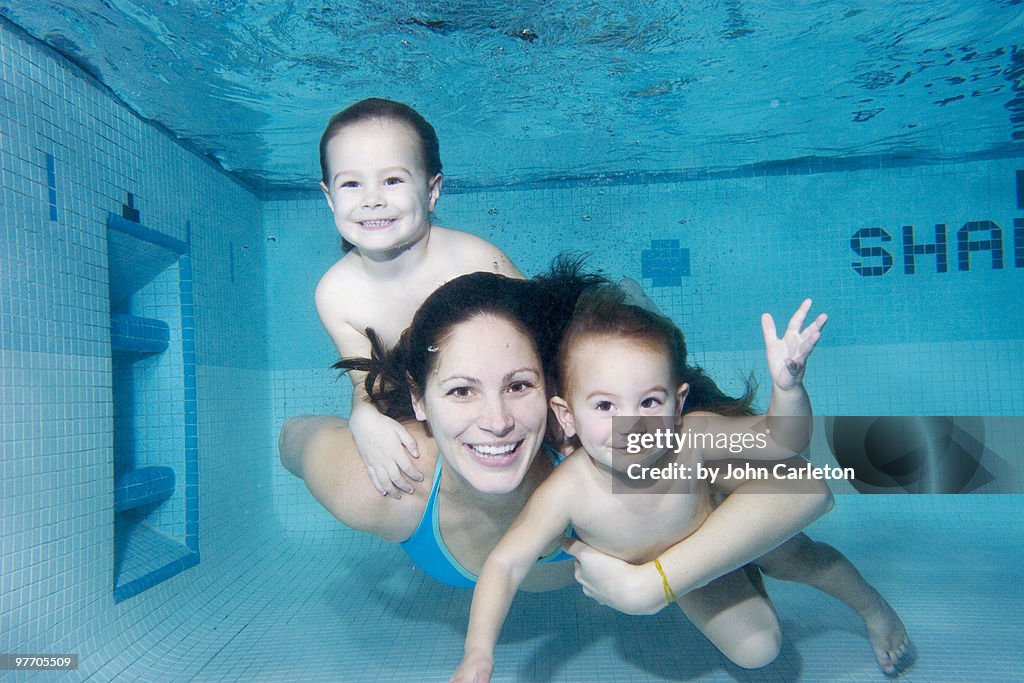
(459, 378)
(529, 370)
(507, 378)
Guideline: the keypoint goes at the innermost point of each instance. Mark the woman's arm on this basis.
(757, 517)
(320, 450)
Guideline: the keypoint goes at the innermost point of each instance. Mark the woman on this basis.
(475, 362)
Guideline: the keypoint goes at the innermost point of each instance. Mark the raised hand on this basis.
(787, 355)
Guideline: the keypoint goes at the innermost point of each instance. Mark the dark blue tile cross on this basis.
(665, 263)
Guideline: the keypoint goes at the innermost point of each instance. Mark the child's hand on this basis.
(787, 357)
(385, 447)
(475, 668)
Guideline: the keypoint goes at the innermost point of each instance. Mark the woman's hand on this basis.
(474, 668)
(628, 588)
(386, 448)
(787, 356)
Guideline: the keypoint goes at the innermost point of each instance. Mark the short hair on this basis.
(379, 109)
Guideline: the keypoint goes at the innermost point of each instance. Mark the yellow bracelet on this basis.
(670, 595)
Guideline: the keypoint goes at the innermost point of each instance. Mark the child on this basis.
(623, 360)
(381, 168)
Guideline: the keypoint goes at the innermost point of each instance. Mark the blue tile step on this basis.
(143, 486)
(140, 336)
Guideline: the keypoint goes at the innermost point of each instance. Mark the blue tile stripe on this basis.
(1018, 242)
(51, 185)
(188, 342)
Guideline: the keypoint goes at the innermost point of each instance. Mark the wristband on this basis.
(670, 595)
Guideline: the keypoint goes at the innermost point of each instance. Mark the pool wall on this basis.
(70, 155)
(714, 254)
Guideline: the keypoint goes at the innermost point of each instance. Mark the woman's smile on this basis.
(495, 455)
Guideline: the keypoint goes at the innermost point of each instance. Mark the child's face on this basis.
(379, 191)
(614, 377)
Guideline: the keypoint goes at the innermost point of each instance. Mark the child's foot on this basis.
(888, 639)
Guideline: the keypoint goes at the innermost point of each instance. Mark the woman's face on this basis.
(485, 403)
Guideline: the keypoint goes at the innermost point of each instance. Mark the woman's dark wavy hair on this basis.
(541, 308)
(606, 311)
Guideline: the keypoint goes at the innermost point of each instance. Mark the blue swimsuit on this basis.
(427, 550)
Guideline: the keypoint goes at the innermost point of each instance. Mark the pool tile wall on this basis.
(69, 154)
(714, 254)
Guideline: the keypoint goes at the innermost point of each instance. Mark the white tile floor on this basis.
(348, 608)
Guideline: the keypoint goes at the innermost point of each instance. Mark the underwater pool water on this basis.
(263, 584)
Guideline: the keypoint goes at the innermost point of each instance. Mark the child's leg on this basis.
(821, 566)
(737, 617)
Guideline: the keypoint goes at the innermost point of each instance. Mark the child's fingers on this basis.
(811, 336)
(797, 321)
(820, 321)
(396, 479)
(410, 446)
(375, 481)
(409, 470)
(768, 328)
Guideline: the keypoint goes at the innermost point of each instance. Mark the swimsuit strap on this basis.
(427, 549)
(553, 454)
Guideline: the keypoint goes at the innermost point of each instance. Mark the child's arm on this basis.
(785, 431)
(741, 529)
(385, 446)
(533, 532)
